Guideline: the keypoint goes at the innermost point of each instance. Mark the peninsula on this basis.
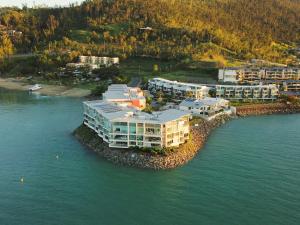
(119, 128)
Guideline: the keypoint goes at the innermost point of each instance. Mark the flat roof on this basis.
(121, 92)
(114, 112)
(180, 83)
(201, 102)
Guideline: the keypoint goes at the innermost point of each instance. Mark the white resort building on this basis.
(179, 89)
(199, 91)
(119, 121)
(206, 107)
(94, 62)
(124, 127)
(125, 96)
(247, 92)
(257, 74)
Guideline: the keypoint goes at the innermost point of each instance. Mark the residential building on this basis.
(125, 127)
(125, 96)
(257, 74)
(247, 92)
(230, 75)
(100, 61)
(285, 85)
(14, 33)
(291, 85)
(206, 107)
(94, 62)
(179, 89)
(282, 73)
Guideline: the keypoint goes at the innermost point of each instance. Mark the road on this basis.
(135, 82)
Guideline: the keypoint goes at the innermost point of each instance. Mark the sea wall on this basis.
(267, 109)
(182, 155)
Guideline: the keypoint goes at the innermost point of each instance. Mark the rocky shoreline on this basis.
(267, 109)
(139, 159)
(185, 152)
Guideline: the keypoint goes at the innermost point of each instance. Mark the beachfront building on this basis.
(247, 92)
(94, 62)
(178, 89)
(206, 107)
(123, 95)
(257, 75)
(125, 127)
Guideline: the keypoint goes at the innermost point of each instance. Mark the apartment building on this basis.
(125, 127)
(100, 61)
(247, 92)
(285, 85)
(94, 62)
(179, 89)
(256, 75)
(123, 95)
(291, 85)
(206, 107)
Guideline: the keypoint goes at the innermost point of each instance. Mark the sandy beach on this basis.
(51, 90)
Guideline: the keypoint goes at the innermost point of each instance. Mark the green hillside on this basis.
(195, 30)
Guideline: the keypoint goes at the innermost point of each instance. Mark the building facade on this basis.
(124, 127)
(206, 107)
(94, 62)
(125, 96)
(179, 89)
(247, 92)
(100, 61)
(256, 75)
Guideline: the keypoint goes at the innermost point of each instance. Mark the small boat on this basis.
(35, 87)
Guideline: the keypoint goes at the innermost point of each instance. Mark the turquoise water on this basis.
(248, 173)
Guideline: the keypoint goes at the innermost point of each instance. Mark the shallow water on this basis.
(248, 173)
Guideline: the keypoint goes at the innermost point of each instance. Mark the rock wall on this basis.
(182, 155)
(267, 109)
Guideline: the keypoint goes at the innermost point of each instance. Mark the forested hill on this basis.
(180, 29)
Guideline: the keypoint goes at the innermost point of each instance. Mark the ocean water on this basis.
(248, 173)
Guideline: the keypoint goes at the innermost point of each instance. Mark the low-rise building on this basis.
(247, 92)
(179, 89)
(285, 85)
(94, 62)
(125, 127)
(206, 107)
(230, 75)
(291, 85)
(101, 61)
(257, 74)
(125, 96)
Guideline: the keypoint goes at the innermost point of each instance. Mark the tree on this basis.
(6, 47)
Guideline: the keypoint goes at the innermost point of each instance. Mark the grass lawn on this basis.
(144, 68)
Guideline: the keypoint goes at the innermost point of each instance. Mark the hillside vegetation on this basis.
(191, 30)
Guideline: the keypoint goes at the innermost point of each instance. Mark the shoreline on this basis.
(185, 152)
(50, 90)
(127, 157)
(267, 109)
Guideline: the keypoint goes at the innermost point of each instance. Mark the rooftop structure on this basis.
(204, 107)
(179, 89)
(124, 127)
(125, 96)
